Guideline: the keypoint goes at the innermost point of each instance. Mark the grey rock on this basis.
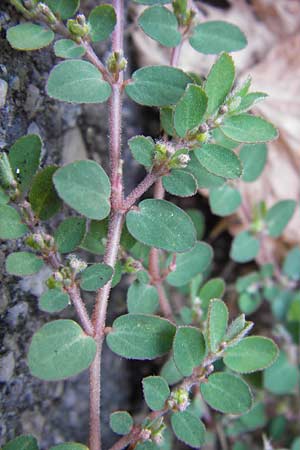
(3, 92)
(17, 314)
(74, 147)
(33, 100)
(7, 367)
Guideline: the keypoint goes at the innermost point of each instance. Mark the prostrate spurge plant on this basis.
(155, 241)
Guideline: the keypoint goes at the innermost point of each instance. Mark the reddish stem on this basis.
(77, 301)
(144, 185)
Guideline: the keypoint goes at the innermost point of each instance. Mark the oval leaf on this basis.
(23, 263)
(190, 110)
(219, 160)
(279, 216)
(188, 429)
(85, 187)
(54, 300)
(251, 354)
(59, 350)
(42, 196)
(142, 149)
(227, 393)
(219, 82)
(95, 277)
(102, 21)
(217, 321)
(188, 349)
(161, 224)
(180, 182)
(142, 298)
(63, 8)
(25, 442)
(161, 25)
(156, 392)
(141, 336)
(11, 226)
(69, 446)
(68, 49)
(249, 129)
(214, 37)
(70, 234)
(24, 158)
(224, 200)
(244, 247)
(121, 422)
(253, 157)
(28, 36)
(77, 81)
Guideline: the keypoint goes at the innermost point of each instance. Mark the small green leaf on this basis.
(77, 81)
(69, 234)
(291, 265)
(68, 49)
(188, 349)
(189, 264)
(157, 85)
(11, 226)
(142, 149)
(69, 446)
(219, 138)
(54, 300)
(59, 350)
(282, 377)
(251, 354)
(254, 158)
(180, 182)
(219, 82)
(156, 392)
(249, 100)
(237, 330)
(24, 158)
(4, 199)
(217, 320)
(102, 21)
(219, 160)
(152, 2)
(249, 129)
(198, 220)
(24, 442)
(23, 263)
(121, 422)
(42, 196)
(249, 303)
(95, 277)
(213, 288)
(166, 120)
(161, 224)
(161, 25)
(95, 238)
(295, 444)
(142, 298)
(189, 111)
(188, 429)
(204, 178)
(85, 187)
(170, 372)
(141, 336)
(214, 37)
(63, 8)
(279, 216)
(227, 393)
(244, 248)
(224, 200)
(28, 36)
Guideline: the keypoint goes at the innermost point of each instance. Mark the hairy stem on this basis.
(144, 185)
(79, 306)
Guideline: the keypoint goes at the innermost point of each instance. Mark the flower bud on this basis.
(183, 160)
(77, 29)
(46, 11)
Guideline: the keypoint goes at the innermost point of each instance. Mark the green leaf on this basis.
(251, 354)
(121, 422)
(11, 226)
(156, 392)
(244, 247)
(157, 85)
(59, 350)
(188, 349)
(189, 264)
(219, 160)
(170, 372)
(189, 111)
(249, 129)
(219, 138)
(3, 197)
(204, 178)
(142, 149)
(54, 300)
(166, 120)
(24, 442)
(68, 49)
(42, 196)
(95, 277)
(28, 36)
(152, 2)
(254, 158)
(295, 444)
(237, 330)
(227, 393)
(141, 336)
(282, 377)
(23, 263)
(95, 238)
(69, 446)
(188, 429)
(249, 302)
(249, 100)
(217, 321)
(180, 182)
(279, 216)
(77, 81)
(198, 221)
(224, 200)
(291, 265)
(219, 82)
(102, 21)
(24, 158)
(161, 25)
(214, 37)
(213, 288)
(85, 187)
(69, 234)
(142, 298)
(63, 8)
(161, 224)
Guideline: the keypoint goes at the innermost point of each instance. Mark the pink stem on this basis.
(77, 301)
(144, 185)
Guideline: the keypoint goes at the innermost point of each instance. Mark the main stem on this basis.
(114, 234)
